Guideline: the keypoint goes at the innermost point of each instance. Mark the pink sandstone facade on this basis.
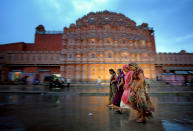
(88, 48)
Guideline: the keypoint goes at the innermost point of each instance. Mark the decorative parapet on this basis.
(105, 17)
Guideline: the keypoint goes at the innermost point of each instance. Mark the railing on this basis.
(49, 32)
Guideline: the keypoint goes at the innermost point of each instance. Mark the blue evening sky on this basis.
(172, 20)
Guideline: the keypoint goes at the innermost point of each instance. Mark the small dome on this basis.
(182, 51)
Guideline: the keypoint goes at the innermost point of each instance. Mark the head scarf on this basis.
(137, 70)
(112, 71)
(120, 71)
(112, 76)
(120, 76)
(125, 66)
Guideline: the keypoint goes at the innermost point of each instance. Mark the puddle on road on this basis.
(170, 126)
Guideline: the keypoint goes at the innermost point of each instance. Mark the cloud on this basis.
(171, 20)
(183, 38)
(66, 12)
(171, 44)
(89, 5)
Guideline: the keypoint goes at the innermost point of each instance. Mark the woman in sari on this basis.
(113, 87)
(139, 98)
(125, 96)
(119, 91)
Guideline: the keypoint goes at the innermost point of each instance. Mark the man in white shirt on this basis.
(99, 82)
(68, 80)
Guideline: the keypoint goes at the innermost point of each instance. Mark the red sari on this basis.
(126, 93)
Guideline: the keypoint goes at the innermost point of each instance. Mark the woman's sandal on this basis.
(141, 120)
(120, 111)
(138, 116)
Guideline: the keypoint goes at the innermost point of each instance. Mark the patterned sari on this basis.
(139, 99)
(112, 89)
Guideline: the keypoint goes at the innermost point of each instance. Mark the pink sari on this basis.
(126, 93)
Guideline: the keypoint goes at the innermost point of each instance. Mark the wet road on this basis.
(68, 111)
(97, 89)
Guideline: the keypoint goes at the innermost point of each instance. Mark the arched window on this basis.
(57, 57)
(124, 41)
(21, 57)
(16, 57)
(108, 41)
(33, 57)
(51, 57)
(93, 56)
(9, 57)
(39, 58)
(28, 57)
(45, 57)
(92, 41)
(109, 55)
(70, 56)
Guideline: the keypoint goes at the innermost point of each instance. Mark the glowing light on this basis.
(77, 55)
(57, 75)
(124, 53)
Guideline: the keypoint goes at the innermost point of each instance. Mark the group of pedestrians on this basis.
(128, 91)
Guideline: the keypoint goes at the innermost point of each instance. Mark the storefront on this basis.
(15, 75)
(178, 78)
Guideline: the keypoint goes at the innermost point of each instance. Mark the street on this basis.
(68, 110)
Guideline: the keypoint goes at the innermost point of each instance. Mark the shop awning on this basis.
(181, 72)
(191, 72)
(178, 68)
(44, 70)
(168, 74)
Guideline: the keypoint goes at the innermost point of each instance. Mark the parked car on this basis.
(35, 81)
(48, 80)
(54, 82)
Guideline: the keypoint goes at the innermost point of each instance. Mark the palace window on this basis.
(45, 57)
(33, 57)
(92, 41)
(57, 57)
(106, 18)
(9, 57)
(131, 44)
(124, 54)
(51, 57)
(16, 57)
(78, 55)
(143, 43)
(92, 18)
(40, 58)
(106, 27)
(93, 56)
(71, 42)
(70, 56)
(92, 27)
(124, 41)
(27, 58)
(109, 55)
(21, 57)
